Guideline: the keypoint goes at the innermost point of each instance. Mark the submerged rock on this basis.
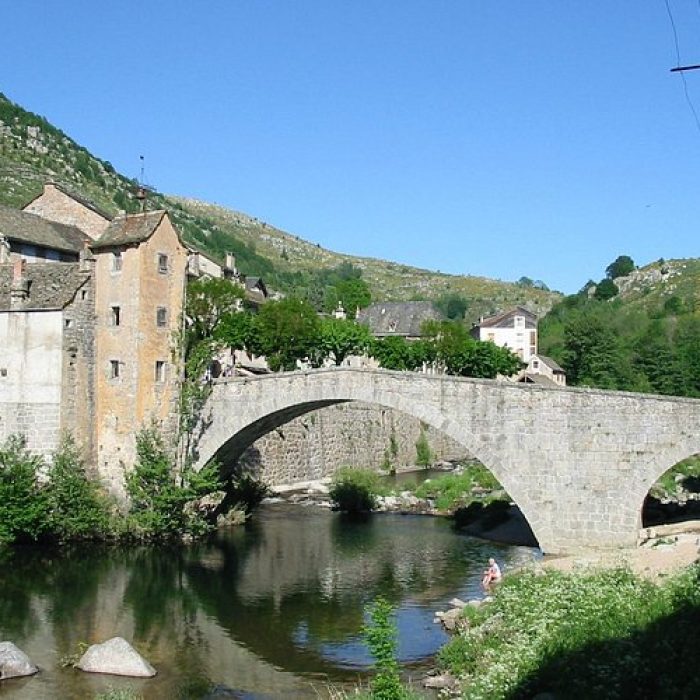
(117, 657)
(14, 663)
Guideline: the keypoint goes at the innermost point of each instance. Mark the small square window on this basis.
(68, 323)
(117, 260)
(162, 263)
(161, 317)
(160, 371)
(114, 369)
(116, 316)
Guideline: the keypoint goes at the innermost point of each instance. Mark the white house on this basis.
(515, 329)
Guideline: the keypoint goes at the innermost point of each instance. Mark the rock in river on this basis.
(14, 662)
(115, 656)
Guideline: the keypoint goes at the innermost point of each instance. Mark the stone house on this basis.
(57, 203)
(34, 239)
(515, 329)
(48, 359)
(543, 370)
(140, 277)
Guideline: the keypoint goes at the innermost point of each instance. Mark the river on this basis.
(272, 609)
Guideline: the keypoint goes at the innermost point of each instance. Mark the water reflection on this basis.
(267, 608)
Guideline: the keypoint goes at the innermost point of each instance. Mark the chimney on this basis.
(85, 259)
(19, 290)
(230, 266)
(4, 249)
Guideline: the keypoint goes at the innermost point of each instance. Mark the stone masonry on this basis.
(579, 463)
(355, 434)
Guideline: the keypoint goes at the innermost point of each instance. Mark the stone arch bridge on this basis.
(578, 462)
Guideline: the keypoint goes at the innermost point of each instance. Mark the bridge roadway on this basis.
(578, 462)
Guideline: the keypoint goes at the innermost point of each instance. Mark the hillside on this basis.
(33, 151)
(646, 338)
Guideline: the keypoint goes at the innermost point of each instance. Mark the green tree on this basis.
(352, 293)
(286, 331)
(23, 506)
(159, 495)
(620, 267)
(393, 352)
(77, 509)
(591, 353)
(606, 289)
(452, 306)
(424, 455)
(208, 301)
(338, 338)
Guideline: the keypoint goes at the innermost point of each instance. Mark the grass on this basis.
(453, 491)
(606, 634)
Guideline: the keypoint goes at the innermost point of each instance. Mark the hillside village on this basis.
(90, 305)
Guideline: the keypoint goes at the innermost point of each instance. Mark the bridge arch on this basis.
(273, 411)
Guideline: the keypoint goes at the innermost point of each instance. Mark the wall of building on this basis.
(55, 205)
(354, 434)
(31, 366)
(78, 368)
(131, 401)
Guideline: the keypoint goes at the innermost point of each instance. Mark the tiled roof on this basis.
(501, 320)
(552, 364)
(129, 229)
(51, 285)
(398, 317)
(537, 379)
(31, 229)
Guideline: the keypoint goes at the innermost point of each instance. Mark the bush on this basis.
(159, 496)
(354, 490)
(23, 505)
(380, 635)
(76, 508)
(424, 455)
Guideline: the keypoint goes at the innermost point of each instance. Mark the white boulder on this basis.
(14, 662)
(117, 657)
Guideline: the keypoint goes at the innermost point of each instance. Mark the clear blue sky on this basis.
(469, 136)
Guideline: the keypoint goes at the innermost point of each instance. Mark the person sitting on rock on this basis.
(492, 574)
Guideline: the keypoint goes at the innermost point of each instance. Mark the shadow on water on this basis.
(658, 662)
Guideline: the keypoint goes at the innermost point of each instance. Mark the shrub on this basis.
(424, 455)
(380, 636)
(354, 490)
(23, 505)
(159, 496)
(76, 508)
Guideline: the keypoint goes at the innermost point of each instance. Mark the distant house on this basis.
(255, 290)
(31, 238)
(59, 204)
(398, 318)
(543, 370)
(515, 329)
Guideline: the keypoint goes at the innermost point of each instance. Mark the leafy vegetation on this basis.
(424, 455)
(645, 339)
(380, 636)
(452, 491)
(354, 491)
(603, 634)
(159, 496)
(684, 475)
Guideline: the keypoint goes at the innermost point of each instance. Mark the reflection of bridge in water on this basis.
(578, 462)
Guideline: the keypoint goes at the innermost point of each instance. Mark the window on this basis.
(535, 364)
(83, 294)
(116, 315)
(161, 317)
(491, 337)
(160, 371)
(162, 263)
(117, 260)
(519, 322)
(114, 369)
(68, 323)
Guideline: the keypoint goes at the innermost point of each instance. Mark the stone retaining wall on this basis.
(353, 434)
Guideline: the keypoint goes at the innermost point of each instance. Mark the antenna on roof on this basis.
(142, 189)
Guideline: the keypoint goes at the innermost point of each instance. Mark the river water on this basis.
(272, 609)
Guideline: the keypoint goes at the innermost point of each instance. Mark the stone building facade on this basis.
(46, 367)
(58, 204)
(140, 272)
